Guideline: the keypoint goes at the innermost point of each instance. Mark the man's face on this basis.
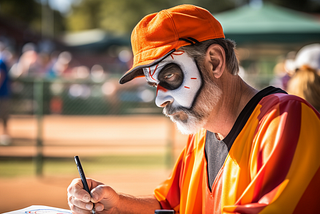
(179, 82)
(177, 78)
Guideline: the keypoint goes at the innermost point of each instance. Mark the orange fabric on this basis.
(284, 162)
(191, 191)
(273, 165)
(159, 33)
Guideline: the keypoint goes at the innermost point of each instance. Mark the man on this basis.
(4, 97)
(248, 151)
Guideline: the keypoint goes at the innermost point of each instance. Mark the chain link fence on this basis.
(81, 97)
(42, 97)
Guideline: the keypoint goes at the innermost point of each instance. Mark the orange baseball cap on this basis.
(159, 34)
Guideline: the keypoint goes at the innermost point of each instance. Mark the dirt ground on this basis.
(19, 193)
(65, 136)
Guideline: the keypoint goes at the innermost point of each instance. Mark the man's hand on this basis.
(106, 200)
(80, 201)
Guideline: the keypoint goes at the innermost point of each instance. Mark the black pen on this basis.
(83, 178)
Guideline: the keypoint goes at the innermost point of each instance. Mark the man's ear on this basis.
(215, 60)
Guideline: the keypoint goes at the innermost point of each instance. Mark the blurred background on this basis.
(64, 59)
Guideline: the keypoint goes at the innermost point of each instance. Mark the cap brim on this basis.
(137, 71)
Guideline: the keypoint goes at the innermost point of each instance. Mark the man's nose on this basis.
(163, 98)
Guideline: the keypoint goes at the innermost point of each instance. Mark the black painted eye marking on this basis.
(171, 76)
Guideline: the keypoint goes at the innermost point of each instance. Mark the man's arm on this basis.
(107, 200)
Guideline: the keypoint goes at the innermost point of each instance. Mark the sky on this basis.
(62, 5)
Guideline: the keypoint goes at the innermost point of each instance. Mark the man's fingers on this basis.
(78, 210)
(102, 192)
(76, 203)
(76, 189)
(99, 207)
(75, 185)
(80, 201)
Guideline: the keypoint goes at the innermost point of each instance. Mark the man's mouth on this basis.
(177, 116)
(171, 114)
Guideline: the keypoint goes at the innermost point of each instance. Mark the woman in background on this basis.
(305, 82)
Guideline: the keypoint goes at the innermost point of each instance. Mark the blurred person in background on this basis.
(247, 150)
(305, 81)
(60, 66)
(27, 63)
(4, 96)
(28, 59)
(283, 71)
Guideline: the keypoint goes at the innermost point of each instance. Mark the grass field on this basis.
(21, 167)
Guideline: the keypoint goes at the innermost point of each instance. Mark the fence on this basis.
(81, 97)
(48, 102)
(42, 100)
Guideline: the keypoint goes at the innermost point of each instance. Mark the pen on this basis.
(83, 178)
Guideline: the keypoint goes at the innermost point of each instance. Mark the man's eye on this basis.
(171, 76)
(168, 76)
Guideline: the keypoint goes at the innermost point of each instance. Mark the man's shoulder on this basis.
(282, 102)
(281, 98)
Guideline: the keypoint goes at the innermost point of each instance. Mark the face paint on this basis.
(177, 78)
(178, 82)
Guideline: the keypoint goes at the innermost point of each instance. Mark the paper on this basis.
(37, 209)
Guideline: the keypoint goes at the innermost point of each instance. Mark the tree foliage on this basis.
(120, 16)
(29, 12)
(308, 6)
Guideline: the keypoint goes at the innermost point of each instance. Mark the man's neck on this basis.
(235, 95)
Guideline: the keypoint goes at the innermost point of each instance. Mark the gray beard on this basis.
(186, 120)
(190, 121)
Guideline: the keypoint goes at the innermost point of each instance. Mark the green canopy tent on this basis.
(269, 24)
(265, 35)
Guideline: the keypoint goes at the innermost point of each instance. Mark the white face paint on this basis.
(177, 78)
(179, 82)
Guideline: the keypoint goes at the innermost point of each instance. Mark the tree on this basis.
(29, 12)
(307, 6)
(122, 15)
